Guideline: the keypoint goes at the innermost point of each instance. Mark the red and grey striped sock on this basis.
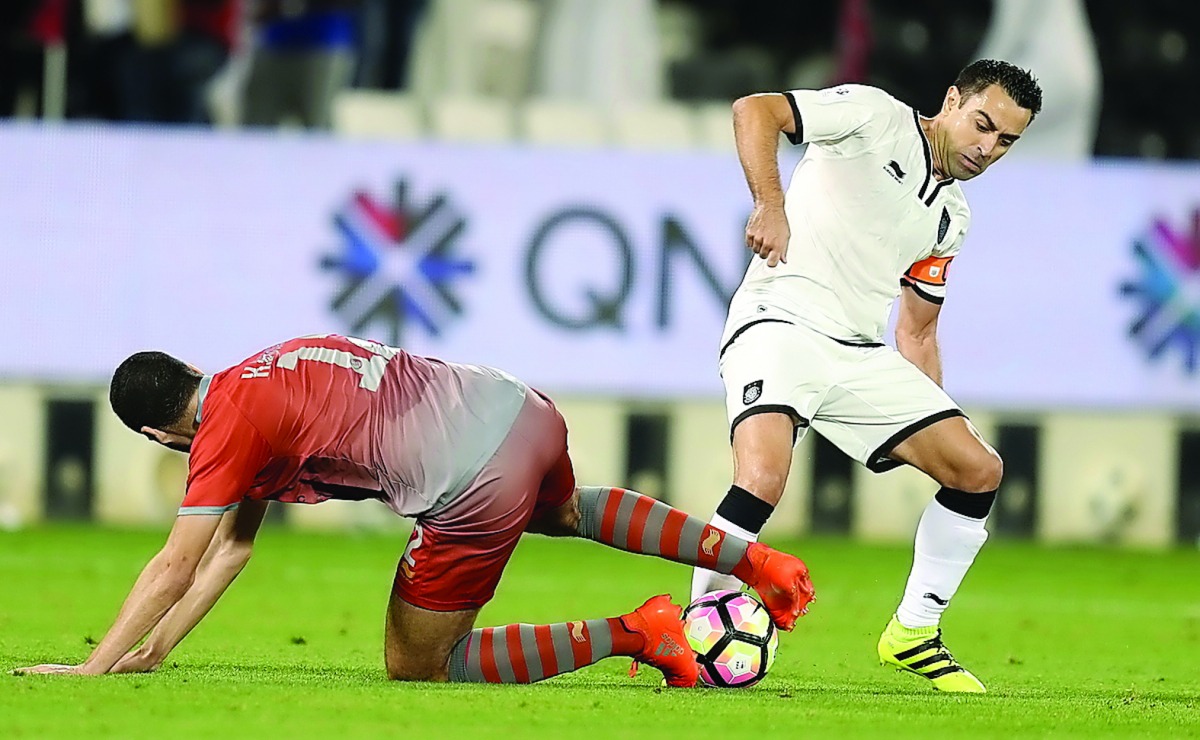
(524, 653)
(630, 521)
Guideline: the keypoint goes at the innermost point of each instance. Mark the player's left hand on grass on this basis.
(46, 668)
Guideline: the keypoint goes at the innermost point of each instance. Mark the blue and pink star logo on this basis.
(398, 264)
(1168, 292)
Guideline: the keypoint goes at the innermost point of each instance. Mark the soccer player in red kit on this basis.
(475, 455)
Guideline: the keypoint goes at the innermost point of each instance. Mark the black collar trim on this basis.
(929, 178)
(936, 189)
(928, 154)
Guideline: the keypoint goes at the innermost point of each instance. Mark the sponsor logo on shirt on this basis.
(398, 265)
(893, 169)
(1167, 292)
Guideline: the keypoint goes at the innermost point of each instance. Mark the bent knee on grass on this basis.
(418, 642)
(423, 668)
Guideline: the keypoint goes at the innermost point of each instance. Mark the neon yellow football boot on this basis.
(921, 651)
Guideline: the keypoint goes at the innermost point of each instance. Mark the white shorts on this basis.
(866, 399)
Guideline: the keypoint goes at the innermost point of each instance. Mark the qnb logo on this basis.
(1168, 292)
(398, 264)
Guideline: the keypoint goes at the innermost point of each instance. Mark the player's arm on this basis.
(225, 558)
(163, 582)
(225, 457)
(916, 331)
(757, 123)
(831, 118)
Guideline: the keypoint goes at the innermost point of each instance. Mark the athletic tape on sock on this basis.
(974, 505)
(745, 509)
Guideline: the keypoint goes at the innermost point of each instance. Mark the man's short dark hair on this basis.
(1019, 84)
(152, 389)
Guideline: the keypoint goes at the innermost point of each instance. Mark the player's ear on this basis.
(154, 435)
(952, 100)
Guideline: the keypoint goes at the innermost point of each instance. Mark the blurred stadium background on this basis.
(549, 186)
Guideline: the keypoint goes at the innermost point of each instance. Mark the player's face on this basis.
(979, 130)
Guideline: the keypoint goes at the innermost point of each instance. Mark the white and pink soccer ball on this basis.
(733, 638)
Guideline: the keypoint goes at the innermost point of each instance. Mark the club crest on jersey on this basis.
(1168, 306)
(943, 225)
(893, 169)
(752, 392)
(397, 264)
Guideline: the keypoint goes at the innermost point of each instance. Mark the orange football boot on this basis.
(665, 646)
(781, 581)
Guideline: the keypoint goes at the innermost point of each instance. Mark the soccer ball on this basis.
(733, 638)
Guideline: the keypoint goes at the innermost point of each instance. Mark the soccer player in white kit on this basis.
(874, 212)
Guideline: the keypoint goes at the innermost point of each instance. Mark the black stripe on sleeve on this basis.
(916, 288)
(798, 137)
(864, 345)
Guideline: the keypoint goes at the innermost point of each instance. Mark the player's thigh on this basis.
(774, 376)
(455, 557)
(953, 453)
(762, 454)
(458, 552)
(418, 642)
(878, 401)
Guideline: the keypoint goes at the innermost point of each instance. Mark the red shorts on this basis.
(456, 554)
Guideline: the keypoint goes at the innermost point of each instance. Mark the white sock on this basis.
(946, 545)
(704, 581)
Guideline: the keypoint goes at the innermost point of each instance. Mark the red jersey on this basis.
(337, 417)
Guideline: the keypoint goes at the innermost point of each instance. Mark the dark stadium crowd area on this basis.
(1147, 52)
(1118, 66)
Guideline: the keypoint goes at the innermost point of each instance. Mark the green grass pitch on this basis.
(1070, 643)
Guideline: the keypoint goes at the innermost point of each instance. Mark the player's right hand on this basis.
(134, 661)
(767, 233)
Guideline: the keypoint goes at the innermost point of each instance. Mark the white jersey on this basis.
(866, 214)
